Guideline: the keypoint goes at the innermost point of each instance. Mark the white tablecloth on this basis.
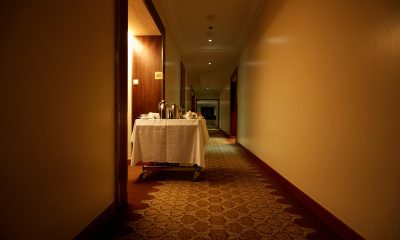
(169, 140)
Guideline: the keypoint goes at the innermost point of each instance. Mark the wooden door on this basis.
(146, 62)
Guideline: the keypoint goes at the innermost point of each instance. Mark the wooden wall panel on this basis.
(147, 61)
(121, 107)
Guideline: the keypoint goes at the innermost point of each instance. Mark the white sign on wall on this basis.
(158, 75)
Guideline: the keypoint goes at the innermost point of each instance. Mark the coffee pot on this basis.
(163, 109)
(174, 111)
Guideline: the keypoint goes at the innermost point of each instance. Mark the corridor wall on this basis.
(318, 102)
(57, 121)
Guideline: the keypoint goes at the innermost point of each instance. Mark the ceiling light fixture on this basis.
(209, 63)
(210, 34)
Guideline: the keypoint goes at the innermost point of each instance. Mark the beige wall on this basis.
(188, 93)
(319, 102)
(172, 71)
(130, 82)
(172, 61)
(57, 124)
(225, 108)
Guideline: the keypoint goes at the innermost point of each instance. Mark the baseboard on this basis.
(101, 226)
(225, 133)
(330, 220)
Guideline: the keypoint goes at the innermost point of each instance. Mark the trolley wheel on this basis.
(143, 176)
(195, 176)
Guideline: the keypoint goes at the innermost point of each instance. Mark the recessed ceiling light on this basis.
(210, 40)
(209, 63)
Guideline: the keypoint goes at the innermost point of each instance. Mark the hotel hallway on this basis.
(234, 199)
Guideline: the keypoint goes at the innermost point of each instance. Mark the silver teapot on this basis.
(174, 111)
(163, 109)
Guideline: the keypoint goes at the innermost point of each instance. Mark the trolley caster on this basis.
(195, 176)
(143, 176)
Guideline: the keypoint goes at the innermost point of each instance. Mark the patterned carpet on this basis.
(234, 199)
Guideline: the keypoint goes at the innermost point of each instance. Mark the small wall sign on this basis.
(158, 75)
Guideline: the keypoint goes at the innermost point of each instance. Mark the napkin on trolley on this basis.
(150, 115)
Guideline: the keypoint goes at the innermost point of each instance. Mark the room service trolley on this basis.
(169, 145)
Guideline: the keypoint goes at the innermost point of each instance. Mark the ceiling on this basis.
(140, 22)
(189, 22)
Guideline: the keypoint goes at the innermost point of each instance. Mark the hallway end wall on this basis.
(318, 102)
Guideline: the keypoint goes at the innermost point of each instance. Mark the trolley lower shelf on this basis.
(172, 167)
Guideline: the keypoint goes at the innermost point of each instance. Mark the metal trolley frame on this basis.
(172, 167)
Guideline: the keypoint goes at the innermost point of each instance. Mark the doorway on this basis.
(139, 60)
(209, 108)
(145, 61)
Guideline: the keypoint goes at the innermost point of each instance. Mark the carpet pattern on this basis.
(232, 200)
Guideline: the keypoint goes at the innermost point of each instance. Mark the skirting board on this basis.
(101, 226)
(330, 220)
(225, 133)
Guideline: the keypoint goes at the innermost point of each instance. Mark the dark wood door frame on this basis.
(121, 94)
(234, 102)
(121, 102)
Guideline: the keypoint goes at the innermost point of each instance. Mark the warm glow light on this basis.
(277, 40)
(133, 43)
(130, 54)
(210, 40)
(137, 46)
(209, 63)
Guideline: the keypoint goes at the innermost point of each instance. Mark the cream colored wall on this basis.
(57, 120)
(172, 71)
(319, 101)
(130, 81)
(188, 93)
(225, 108)
(172, 61)
(130, 120)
